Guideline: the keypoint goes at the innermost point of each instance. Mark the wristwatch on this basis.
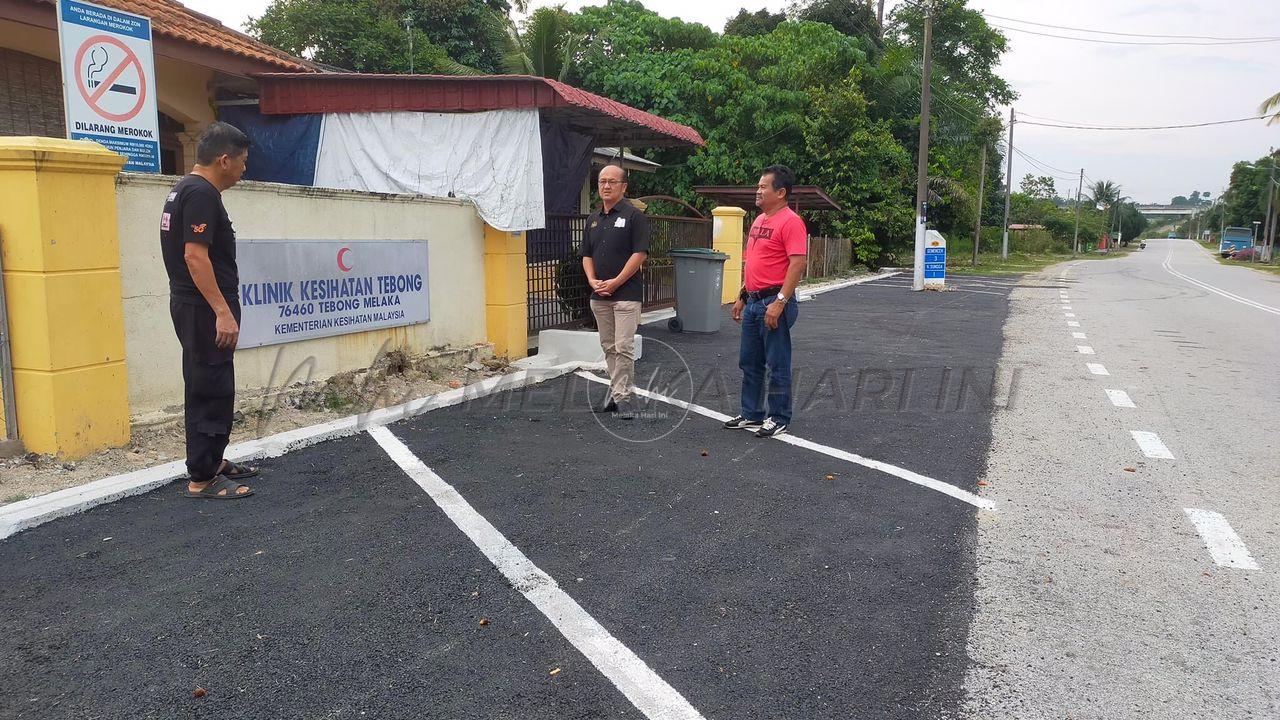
(782, 299)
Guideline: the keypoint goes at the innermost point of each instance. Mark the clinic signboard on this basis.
(294, 290)
(109, 81)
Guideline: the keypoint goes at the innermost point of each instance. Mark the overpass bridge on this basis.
(1168, 210)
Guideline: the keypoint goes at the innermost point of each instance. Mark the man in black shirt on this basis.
(614, 246)
(198, 244)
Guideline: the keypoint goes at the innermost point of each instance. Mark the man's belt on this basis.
(756, 295)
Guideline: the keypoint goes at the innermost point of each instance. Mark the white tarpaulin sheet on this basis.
(493, 159)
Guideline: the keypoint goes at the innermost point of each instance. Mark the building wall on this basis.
(456, 280)
(30, 95)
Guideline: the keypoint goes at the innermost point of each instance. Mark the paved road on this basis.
(1097, 594)
(664, 568)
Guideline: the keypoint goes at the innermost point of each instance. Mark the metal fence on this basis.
(558, 293)
(829, 257)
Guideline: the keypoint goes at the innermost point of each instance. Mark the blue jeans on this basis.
(763, 347)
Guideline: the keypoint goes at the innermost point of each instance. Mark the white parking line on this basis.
(1224, 545)
(1097, 368)
(1084, 350)
(902, 473)
(1151, 445)
(1120, 398)
(1073, 323)
(637, 681)
(1067, 307)
(1079, 336)
(1069, 314)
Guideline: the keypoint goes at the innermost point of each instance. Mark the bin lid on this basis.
(699, 253)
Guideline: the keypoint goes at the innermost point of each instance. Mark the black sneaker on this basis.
(605, 407)
(771, 428)
(741, 423)
(625, 411)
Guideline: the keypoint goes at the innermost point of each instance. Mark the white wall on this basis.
(455, 236)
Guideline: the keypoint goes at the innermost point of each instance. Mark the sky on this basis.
(1090, 83)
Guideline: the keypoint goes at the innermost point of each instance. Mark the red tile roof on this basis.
(611, 122)
(175, 20)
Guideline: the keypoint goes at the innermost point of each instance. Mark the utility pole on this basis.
(1271, 194)
(408, 29)
(880, 17)
(1008, 189)
(977, 223)
(922, 163)
(1075, 239)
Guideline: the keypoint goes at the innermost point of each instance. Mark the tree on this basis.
(1104, 194)
(1180, 201)
(854, 18)
(748, 24)
(1041, 187)
(1271, 105)
(449, 36)
(545, 45)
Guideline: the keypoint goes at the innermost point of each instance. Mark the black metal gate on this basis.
(558, 293)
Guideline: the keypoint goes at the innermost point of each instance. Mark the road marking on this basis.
(1084, 350)
(1073, 323)
(1068, 314)
(901, 473)
(1151, 445)
(1079, 336)
(1067, 307)
(642, 686)
(1097, 368)
(1214, 289)
(1120, 398)
(1226, 547)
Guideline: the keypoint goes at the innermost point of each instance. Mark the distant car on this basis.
(1235, 239)
(1172, 235)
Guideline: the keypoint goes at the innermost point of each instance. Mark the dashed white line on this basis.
(898, 472)
(1067, 307)
(1073, 323)
(1079, 336)
(1224, 545)
(1084, 350)
(1097, 368)
(1120, 398)
(1069, 314)
(1151, 445)
(637, 681)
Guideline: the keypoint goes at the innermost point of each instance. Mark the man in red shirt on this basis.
(776, 256)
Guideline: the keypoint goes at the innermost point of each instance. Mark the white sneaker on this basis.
(771, 428)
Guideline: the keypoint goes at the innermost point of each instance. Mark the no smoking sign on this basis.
(108, 78)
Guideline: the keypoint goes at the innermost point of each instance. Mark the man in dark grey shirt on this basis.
(614, 247)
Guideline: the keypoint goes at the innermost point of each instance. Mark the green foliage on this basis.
(854, 18)
(747, 24)
(546, 45)
(1041, 187)
(449, 36)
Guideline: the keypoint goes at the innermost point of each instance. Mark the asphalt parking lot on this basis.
(549, 563)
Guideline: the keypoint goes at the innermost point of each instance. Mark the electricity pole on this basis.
(1271, 193)
(922, 164)
(1075, 239)
(977, 223)
(408, 29)
(1008, 189)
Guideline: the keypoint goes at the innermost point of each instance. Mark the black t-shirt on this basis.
(194, 213)
(610, 239)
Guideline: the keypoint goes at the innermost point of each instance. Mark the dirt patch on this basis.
(395, 378)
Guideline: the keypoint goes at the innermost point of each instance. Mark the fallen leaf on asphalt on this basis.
(484, 621)
(705, 453)
(830, 476)
(1130, 470)
(556, 671)
(1206, 574)
(475, 594)
(455, 384)
(200, 692)
(982, 483)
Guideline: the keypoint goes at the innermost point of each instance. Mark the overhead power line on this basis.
(1143, 127)
(1134, 42)
(1125, 34)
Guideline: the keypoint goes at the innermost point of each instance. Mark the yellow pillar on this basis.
(61, 258)
(727, 237)
(506, 292)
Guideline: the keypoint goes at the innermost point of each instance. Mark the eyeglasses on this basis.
(604, 181)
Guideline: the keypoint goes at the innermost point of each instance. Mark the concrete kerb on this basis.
(802, 295)
(29, 513)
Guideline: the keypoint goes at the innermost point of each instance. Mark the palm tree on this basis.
(545, 46)
(1104, 194)
(1271, 104)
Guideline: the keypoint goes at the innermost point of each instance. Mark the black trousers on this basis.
(209, 382)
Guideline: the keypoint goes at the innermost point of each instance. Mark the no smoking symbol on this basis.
(110, 78)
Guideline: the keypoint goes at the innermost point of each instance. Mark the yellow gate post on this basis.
(726, 237)
(506, 292)
(61, 262)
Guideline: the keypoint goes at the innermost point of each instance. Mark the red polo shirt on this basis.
(770, 245)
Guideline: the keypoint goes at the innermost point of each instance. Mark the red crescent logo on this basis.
(341, 265)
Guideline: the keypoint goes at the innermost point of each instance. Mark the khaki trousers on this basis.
(617, 321)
